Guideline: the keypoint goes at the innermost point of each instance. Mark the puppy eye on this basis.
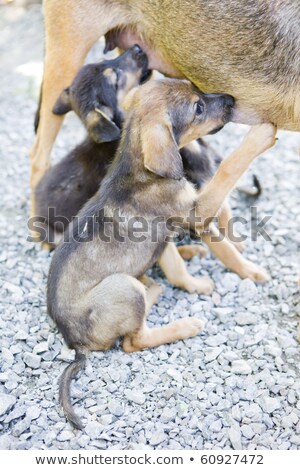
(199, 108)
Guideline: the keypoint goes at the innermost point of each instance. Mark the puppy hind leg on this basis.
(176, 272)
(152, 337)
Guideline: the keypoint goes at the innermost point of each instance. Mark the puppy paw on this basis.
(200, 285)
(254, 272)
(190, 327)
(187, 252)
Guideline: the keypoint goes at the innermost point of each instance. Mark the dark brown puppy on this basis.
(96, 95)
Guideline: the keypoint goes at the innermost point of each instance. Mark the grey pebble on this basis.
(135, 396)
(247, 289)
(6, 403)
(269, 404)
(33, 412)
(115, 408)
(241, 367)
(235, 438)
(32, 360)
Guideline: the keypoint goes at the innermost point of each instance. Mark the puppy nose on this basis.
(137, 50)
(228, 101)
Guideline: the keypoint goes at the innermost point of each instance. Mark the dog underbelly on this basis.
(128, 37)
(246, 49)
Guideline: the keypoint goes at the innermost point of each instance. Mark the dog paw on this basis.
(190, 327)
(200, 285)
(254, 272)
(187, 252)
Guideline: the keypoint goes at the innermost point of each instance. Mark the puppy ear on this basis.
(100, 127)
(161, 153)
(63, 104)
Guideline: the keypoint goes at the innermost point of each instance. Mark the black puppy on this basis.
(96, 95)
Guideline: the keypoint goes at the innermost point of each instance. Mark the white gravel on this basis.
(236, 386)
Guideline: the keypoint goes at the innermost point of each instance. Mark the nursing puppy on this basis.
(96, 95)
(95, 288)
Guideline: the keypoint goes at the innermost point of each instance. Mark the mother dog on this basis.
(249, 49)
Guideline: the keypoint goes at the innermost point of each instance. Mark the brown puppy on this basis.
(96, 95)
(249, 49)
(94, 292)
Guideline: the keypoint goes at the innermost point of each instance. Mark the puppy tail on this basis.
(65, 388)
(255, 190)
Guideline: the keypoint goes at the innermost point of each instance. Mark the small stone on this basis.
(175, 374)
(21, 335)
(197, 307)
(247, 431)
(230, 282)
(40, 348)
(216, 340)
(33, 412)
(5, 442)
(16, 413)
(65, 436)
(216, 426)
(245, 318)
(6, 403)
(158, 438)
(135, 396)
(269, 404)
(7, 356)
(21, 427)
(93, 429)
(212, 353)
(273, 350)
(13, 289)
(32, 360)
(115, 408)
(241, 367)
(247, 289)
(223, 313)
(168, 414)
(235, 438)
(105, 420)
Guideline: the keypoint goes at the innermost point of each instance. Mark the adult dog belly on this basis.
(248, 49)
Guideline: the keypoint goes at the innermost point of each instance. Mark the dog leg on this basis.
(231, 258)
(187, 252)
(224, 219)
(145, 337)
(175, 271)
(70, 31)
(153, 337)
(210, 200)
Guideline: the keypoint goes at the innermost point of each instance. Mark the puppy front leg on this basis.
(231, 258)
(210, 200)
(175, 271)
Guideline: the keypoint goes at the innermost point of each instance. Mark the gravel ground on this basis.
(236, 386)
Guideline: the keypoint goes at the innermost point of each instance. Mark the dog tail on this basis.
(65, 388)
(255, 190)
